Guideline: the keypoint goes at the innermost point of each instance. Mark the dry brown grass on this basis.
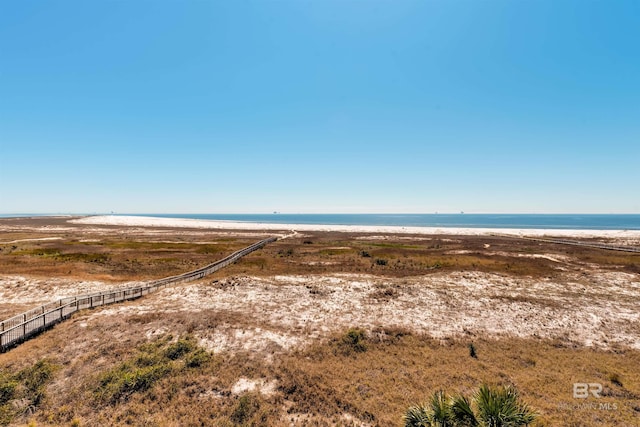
(109, 253)
(325, 382)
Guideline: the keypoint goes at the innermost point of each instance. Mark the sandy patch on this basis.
(290, 311)
(551, 257)
(19, 293)
(25, 290)
(228, 338)
(555, 257)
(262, 386)
(31, 240)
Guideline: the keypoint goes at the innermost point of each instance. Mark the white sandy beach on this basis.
(141, 221)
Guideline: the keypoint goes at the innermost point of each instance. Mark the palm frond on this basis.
(500, 407)
(417, 416)
(462, 412)
(441, 415)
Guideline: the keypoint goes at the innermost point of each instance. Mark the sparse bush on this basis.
(380, 261)
(307, 242)
(286, 252)
(365, 254)
(384, 294)
(354, 341)
(7, 389)
(180, 348)
(615, 379)
(146, 359)
(127, 379)
(247, 406)
(35, 379)
(155, 362)
(472, 351)
(61, 415)
(28, 386)
(197, 358)
(6, 415)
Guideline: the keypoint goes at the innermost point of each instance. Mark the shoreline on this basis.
(142, 221)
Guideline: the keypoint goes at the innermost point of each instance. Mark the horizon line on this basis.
(20, 214)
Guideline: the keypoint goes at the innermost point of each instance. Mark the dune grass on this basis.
(114, 373)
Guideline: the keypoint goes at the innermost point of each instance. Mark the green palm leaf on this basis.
(500, 407)
(462, 412)
(417, 416)
(441, 415)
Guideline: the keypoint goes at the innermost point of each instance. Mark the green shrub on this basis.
(490, 407)
(197, 358)
(126, 379)
(155, 361)
(7, 389)
(246, 408)
(180, 348)
(6, 415)
(354, 341)
(472, 351)
(35, 379)
(28, 384)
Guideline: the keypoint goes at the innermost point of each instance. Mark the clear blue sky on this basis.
(320, 106)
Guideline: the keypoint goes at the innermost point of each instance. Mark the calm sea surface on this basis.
(565, 221)
(575, 222)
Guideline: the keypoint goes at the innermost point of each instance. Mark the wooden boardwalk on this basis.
(19, 328)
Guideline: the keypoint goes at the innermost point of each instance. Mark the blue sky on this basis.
(319, 106)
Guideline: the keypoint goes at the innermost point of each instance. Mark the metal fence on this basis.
(23, 326)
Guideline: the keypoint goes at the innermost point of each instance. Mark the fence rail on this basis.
(19, 328)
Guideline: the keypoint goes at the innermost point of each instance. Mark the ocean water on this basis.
(551, 221)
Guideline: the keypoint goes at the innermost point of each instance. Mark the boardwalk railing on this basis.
(23, 326)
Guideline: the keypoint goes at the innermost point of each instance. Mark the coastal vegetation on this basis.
(133, 258)
(373, 382)
(489, 407)
(175, 358)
